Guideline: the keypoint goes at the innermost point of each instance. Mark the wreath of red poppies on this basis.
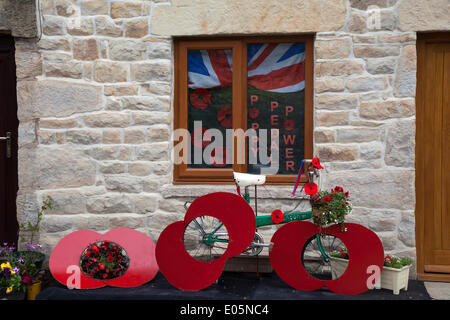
(104, 260)
(72, 260)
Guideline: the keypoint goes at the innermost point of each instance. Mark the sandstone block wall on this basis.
(95, 108)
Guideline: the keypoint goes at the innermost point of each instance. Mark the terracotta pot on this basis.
(33, 290)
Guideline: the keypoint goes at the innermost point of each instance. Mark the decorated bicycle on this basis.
(220, 225)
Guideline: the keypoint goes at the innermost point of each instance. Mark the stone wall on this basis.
(95, 108)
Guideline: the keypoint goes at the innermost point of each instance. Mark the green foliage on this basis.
(33, 228)
(331, 207)
(397, 262)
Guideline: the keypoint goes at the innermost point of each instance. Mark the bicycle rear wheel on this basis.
(205, 238)
(320, 257)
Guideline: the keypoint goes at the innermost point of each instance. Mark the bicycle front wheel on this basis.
(322, 257)
(205, 238)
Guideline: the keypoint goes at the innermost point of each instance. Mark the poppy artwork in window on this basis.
(276, 88)
(210, 99)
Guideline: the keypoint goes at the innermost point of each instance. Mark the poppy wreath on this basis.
(68, 266)
(104, 260)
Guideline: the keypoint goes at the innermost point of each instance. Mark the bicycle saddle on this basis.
(246, 179)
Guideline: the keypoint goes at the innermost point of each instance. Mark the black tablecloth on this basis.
(230, 286)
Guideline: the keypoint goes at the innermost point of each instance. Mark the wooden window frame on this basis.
(184, 175)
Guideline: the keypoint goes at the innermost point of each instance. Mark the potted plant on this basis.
(12, 286)
(30, 263)
(395, 274)
(31, 251)
(330, 207)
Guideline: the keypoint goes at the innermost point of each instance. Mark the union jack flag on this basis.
(276, 67)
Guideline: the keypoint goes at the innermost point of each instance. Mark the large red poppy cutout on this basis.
(363, 246)
(187, 273)
(65, 258)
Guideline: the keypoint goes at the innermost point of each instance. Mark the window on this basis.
(242, 104)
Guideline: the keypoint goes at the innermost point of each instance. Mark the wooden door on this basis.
(8, 141)
(433, 157)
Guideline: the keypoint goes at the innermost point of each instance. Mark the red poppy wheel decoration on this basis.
(81, 258)
(200, 98)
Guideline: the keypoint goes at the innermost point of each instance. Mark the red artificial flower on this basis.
(277, 216)
(105, 275)
(346, 194)
(101, 266)
(288, 124)
(95, 248)
(87, 254)
(316, 163)
(224, 116)
(327, 199)
(338, 189)
(110, 259)
(200, 98)
(311, 188)
(253, 113)
(388, 259)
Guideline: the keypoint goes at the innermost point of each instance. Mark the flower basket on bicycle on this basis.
(331, 207)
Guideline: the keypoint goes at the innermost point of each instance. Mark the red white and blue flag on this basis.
(275, 67)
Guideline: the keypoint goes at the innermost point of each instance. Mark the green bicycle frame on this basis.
(266, 220)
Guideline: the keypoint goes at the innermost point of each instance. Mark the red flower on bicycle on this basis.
(316, 163)
(338, 189)
(277, 216)
(200, 98)
(327, 199)
(311, 188)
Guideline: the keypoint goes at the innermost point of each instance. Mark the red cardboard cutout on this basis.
(140, 250)
(363, 245)
(186, 272)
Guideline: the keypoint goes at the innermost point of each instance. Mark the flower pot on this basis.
(391, 278)
(33, 290)
(395, 279)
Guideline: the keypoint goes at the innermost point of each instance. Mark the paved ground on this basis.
(438, 290)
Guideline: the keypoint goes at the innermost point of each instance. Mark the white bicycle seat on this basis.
(246, 179)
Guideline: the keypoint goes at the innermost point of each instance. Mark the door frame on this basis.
(420, 211)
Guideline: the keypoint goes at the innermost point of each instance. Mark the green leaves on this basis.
(33, 228)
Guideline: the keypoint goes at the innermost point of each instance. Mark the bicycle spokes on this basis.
(322, 257)
(205, 238)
